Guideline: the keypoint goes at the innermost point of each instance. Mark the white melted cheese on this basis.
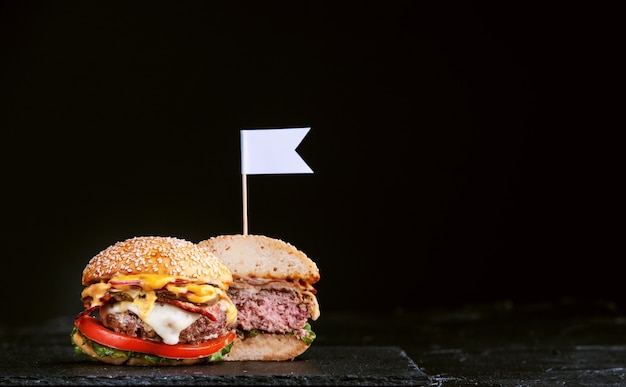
(166, 320)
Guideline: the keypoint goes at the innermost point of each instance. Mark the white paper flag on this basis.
(272, 151)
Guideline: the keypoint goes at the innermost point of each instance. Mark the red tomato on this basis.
(93, 329)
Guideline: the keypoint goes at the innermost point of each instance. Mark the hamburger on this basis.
(155, 301)
(273, 291)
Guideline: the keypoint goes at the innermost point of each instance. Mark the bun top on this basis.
(259, 256)
(157, 255)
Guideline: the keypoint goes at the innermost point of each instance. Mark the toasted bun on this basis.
(262, 257)
(157, 255)
(87, 349)
(266, 346)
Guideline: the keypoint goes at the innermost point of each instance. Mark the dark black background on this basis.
(462, 152)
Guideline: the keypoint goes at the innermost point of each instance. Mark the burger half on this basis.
(155, 301)
(273, 291)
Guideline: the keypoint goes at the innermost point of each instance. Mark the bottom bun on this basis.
(266, 346)
(87, 349)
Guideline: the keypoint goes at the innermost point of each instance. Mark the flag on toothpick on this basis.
(272, 151)
(268, 152)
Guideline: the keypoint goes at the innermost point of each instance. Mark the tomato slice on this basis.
(93, 329)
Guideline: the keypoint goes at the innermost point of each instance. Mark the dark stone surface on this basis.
(562, 342)
(42, 355)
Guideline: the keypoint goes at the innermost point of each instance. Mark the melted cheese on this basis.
(95, 291)
(199, 294)
(231, 310)
(166, 320)
(148, 281)
(143, 305)
(315, 306)
(131, 284)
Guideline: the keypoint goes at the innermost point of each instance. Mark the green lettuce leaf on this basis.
(308, 338)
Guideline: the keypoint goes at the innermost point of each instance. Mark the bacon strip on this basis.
(86, 312)
(188, 306)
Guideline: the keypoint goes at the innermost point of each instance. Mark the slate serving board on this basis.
(43, 355)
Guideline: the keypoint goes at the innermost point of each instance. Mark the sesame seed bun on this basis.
(157, 255)
(259, 256)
